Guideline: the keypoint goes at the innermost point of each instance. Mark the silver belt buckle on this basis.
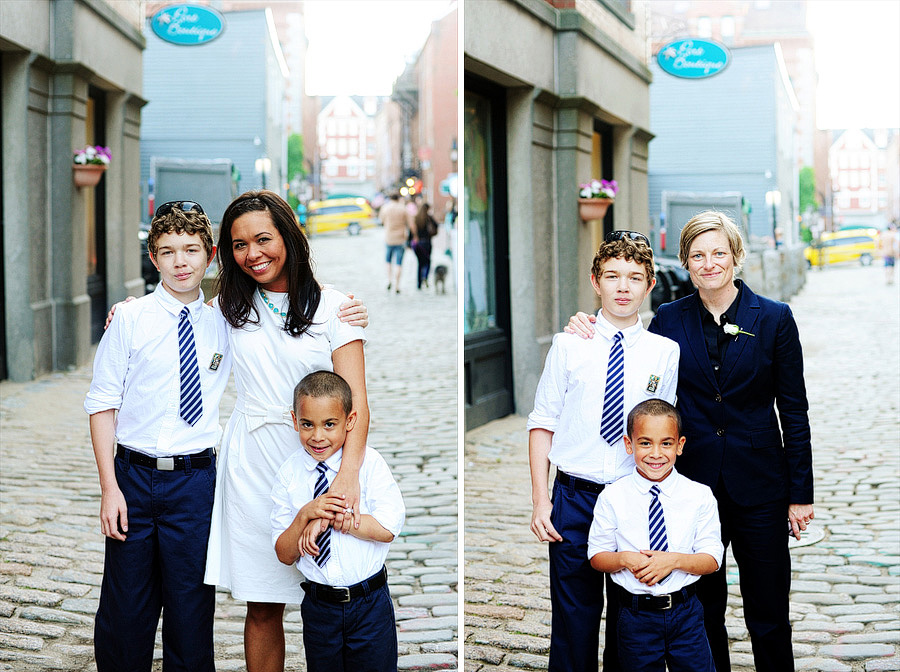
(165, 463)
(345, 597)
(669, 597)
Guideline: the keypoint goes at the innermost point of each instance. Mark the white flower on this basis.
(734, 330)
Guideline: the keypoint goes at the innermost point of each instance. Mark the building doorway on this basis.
(95, 218)
(486, 327)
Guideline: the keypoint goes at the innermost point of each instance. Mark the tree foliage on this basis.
(808, 189)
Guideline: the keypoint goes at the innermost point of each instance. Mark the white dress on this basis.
(259, 437)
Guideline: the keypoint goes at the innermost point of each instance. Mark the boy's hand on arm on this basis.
(354, 312)
(581, 324)
(307, 542)
(663, 563)
(325, 506)
(613, 561)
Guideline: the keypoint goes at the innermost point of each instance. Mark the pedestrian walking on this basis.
(425, 228)
(578, 425)
(397, 228)
(741, 354)
(889, 245)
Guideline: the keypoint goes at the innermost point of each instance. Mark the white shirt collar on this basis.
(174, 306)
(333, 463)
(608, 330)
(644, 484)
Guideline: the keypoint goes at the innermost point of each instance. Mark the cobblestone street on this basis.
(51, 550)
(845, 604)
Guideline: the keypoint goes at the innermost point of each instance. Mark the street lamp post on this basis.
(773, 198)
(263, 165)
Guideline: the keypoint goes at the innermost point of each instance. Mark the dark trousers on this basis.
(423, 256)
(758, 535)
(356, 636)
(576, 589)
(651, 641)
(159, 567)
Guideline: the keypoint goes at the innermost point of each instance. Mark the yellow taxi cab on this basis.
(838, 246)
(338, 214)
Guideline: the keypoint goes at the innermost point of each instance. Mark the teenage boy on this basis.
(636, 521)
(159, 373)
(348, 616)
(577, 425)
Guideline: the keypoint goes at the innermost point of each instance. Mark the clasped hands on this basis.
(649, 567)
(323, 512)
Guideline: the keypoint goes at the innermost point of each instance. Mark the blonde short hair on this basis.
(712, 220)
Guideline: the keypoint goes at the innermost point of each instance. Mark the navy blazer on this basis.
(731, 426)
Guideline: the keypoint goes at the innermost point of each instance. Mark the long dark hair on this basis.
(236, 288)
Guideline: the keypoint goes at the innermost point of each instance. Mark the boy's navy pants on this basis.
(576, 589)
(159, 566)
(356, 636)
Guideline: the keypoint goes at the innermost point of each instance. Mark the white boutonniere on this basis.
(734, 330)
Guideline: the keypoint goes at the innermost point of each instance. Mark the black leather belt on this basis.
(173, 463)
(655, 602)
(341, 595)
(579, 483)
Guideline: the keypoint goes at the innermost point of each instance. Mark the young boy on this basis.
(159, 373)
(636, 520)
(348, 616)
(577, 425)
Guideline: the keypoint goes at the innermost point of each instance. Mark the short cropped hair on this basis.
(320, 384)
(181, 221)
(627, 249)
(655, 408)
(712, 220)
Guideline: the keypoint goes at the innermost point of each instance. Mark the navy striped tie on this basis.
(323, 541)
(191, 398)
(612, 426)
(658, 539)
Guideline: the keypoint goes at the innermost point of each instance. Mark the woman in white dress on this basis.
(283, 325)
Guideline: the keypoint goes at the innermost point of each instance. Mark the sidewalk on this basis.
(51, 550)
(845, 604)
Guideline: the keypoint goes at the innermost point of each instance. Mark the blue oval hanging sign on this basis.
(187, 24)
(693, 59)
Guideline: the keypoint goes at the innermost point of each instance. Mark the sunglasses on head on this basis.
(631, 235)
(184, 206)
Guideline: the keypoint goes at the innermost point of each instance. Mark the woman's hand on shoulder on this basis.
(581, 324)
(112, 311)
(353, 312)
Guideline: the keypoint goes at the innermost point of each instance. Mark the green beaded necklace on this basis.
(269, 304)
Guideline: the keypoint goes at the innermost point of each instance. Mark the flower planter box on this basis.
(87, 175)
(593, 208)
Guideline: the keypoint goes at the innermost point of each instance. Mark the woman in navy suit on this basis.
(740, 360)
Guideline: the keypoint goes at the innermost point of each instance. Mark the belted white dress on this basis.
(259, 437)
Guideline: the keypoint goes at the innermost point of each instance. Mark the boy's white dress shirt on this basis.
(137, 372)
(352, 560)
(569, 397)
(621, 523)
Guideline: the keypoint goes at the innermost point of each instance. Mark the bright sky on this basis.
(858, 61)
(359, 47)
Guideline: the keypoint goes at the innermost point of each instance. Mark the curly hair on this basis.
(236, 288)
(179, 221)
(627, 249)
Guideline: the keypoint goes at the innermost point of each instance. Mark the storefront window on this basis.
(480, 289)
